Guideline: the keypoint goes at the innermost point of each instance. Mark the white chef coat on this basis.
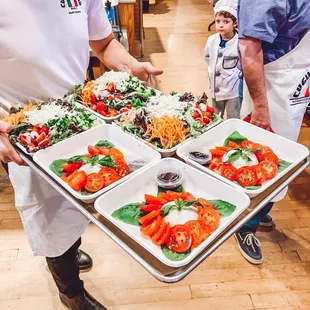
(222, 67)
(44, 52)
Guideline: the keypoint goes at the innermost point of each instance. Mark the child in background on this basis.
(221, 54)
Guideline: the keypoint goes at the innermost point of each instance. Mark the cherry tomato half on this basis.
(180, 239)
(246, 176)
(95, 182)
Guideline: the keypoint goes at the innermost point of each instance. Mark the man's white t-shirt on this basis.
(44, 48)
(44, 52)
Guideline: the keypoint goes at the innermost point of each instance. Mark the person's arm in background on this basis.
(109, 50)
(253, 72)
(116, 57)
(258, 21)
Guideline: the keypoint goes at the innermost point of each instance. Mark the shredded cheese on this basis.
(166, 106)
(46, 113)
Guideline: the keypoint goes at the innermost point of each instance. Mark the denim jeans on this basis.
(240, 90)
(253, 223)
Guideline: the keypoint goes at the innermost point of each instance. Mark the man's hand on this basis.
(145, 72)
(260, 117)
(7, 151)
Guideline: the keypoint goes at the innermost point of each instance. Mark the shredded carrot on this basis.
(87, 91)
(169, 130)
(16, 118)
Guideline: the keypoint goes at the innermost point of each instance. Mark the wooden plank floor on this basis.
(176, 32)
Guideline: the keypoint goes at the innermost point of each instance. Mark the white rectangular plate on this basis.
(285, 149)
(195, 182)
(168, 152)
(78, 145)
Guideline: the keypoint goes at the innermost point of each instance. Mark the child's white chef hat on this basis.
(229, 6)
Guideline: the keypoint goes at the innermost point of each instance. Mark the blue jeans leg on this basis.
(253, 223)
(240, 90)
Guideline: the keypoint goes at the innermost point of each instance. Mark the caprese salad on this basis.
(175, 221)
(243, 161)
(89, 173)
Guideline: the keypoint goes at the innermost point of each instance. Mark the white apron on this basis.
(51, 223)
(287, 82)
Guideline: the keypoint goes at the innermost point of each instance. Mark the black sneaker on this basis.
(266, 221)
(249, 246)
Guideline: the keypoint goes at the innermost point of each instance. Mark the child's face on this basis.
(224, 26)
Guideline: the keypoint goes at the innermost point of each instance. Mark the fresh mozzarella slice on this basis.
(240, 162)
(176, 217)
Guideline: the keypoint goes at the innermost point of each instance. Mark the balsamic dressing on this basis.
(168, 177)
(199, 155)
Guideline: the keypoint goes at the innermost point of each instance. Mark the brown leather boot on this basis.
(82, 302)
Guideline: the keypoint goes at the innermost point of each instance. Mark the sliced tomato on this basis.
(247, 144)
(116, 154)
(206, 120)
(206, 230)
(260, 174)
(104, 150)
(205, 203)
(23, 140)
(113, 112)
(271, 157)
(217, 152)
(93, 151)
(111, 87)
(120, 97)
(173, 195)
(101, 107)
(164, 236)
(233, 144)
(150, 216)
(160, 231)
(37, 128)
(210, 109)
(270, 169)
(180, 239)
(65, 176)
(95, 182)
(263, 150)
(228, 171)
(196, 231)
(188, 196)
(152, 200)
(124, 110)
(210, 217)
(44, 143)
(45, 129)
(109, 175)
(152, 227)
(149, 208)
(77, 180)
(72, 167)
(93, 98)
(246, 176)
(122, 168)
(223, 148)
(94, 107)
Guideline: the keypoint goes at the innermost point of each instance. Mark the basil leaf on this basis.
(77, 159)
(235, 137)
(245, 156)
(57, 166)
(283, 164)
(107, 161)
(129, 214)
(179, 189)
(233, 156)
(104, 143)
(224, 208)
(94, 160)
(173, 255)
(166, 210)
(253, 188)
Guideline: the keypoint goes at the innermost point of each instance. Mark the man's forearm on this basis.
(113, 55)
(253, 70)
